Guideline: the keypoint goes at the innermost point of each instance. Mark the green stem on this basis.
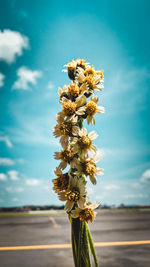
(80, 243)
(85, 248)
(75, 230)
(92, 246)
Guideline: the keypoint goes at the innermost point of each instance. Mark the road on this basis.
(109, 226)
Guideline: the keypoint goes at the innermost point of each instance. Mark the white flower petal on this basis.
(94, 205)
(75, 149)
(64, 141)
(81, 202)
(69, 205)
(96, 158)
(63, 165)
(93, 148)
(74, 163)
(58, 171)
(62, 196)
(56, 155)
(75, 213)
(99, 171)
(93, 179)
(94, 98)
(60, 117)
(92, 121)
(81, 111)
(75, 130)
(74, 140)
(92, 135)
(83, 132)
(100, 109)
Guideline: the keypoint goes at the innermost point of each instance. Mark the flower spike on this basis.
(79, 153)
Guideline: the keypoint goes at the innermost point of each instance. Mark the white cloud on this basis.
(145, 176)
(20, 161)
(135, 185)
(15, 199)
(118, 96)
(116, 191)
(111, 187)
(26, 77)
(14, 189)
(6, 140)
(19, 189)
(90, 190)
(33, 131)
(6, 162)
(2, 77)
(46, 187)
(3, 177)
(104, 152)
(11, 45)
(13, 175)
(136, 196)
(33, 182)
(50, 85)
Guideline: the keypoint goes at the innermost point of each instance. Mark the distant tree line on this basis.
(28, 208)
(55, 207)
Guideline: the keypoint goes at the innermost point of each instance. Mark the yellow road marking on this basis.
(121, 243)
(97, 244)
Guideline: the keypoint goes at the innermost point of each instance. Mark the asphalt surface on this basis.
(109, 226)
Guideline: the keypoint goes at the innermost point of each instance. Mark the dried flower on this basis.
(87, 166)
(92, 109)
(61, 182)
(65, 129)
(75, 193)
(86, 214)
(78, 151)
(83, 143)
(67, 157)
(73, 66)
(70, 109)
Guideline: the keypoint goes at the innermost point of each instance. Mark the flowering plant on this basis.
(79, 152)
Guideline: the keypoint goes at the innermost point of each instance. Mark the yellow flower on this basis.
(89, 71)
(78, 149)
(75, 193)
(61, 182)
(65, 129)
(90, 79)
(70, 109)
(73, 66)
(88, 167)
(67, 157)
(83, 143)
(85, 214)
(101, 73)
(73, 90)
(81, 63)
(63, 92)
(92, 108)
(93, 83)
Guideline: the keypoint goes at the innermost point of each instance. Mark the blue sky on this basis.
(36, 40)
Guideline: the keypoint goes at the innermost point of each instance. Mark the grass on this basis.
(24, 214)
